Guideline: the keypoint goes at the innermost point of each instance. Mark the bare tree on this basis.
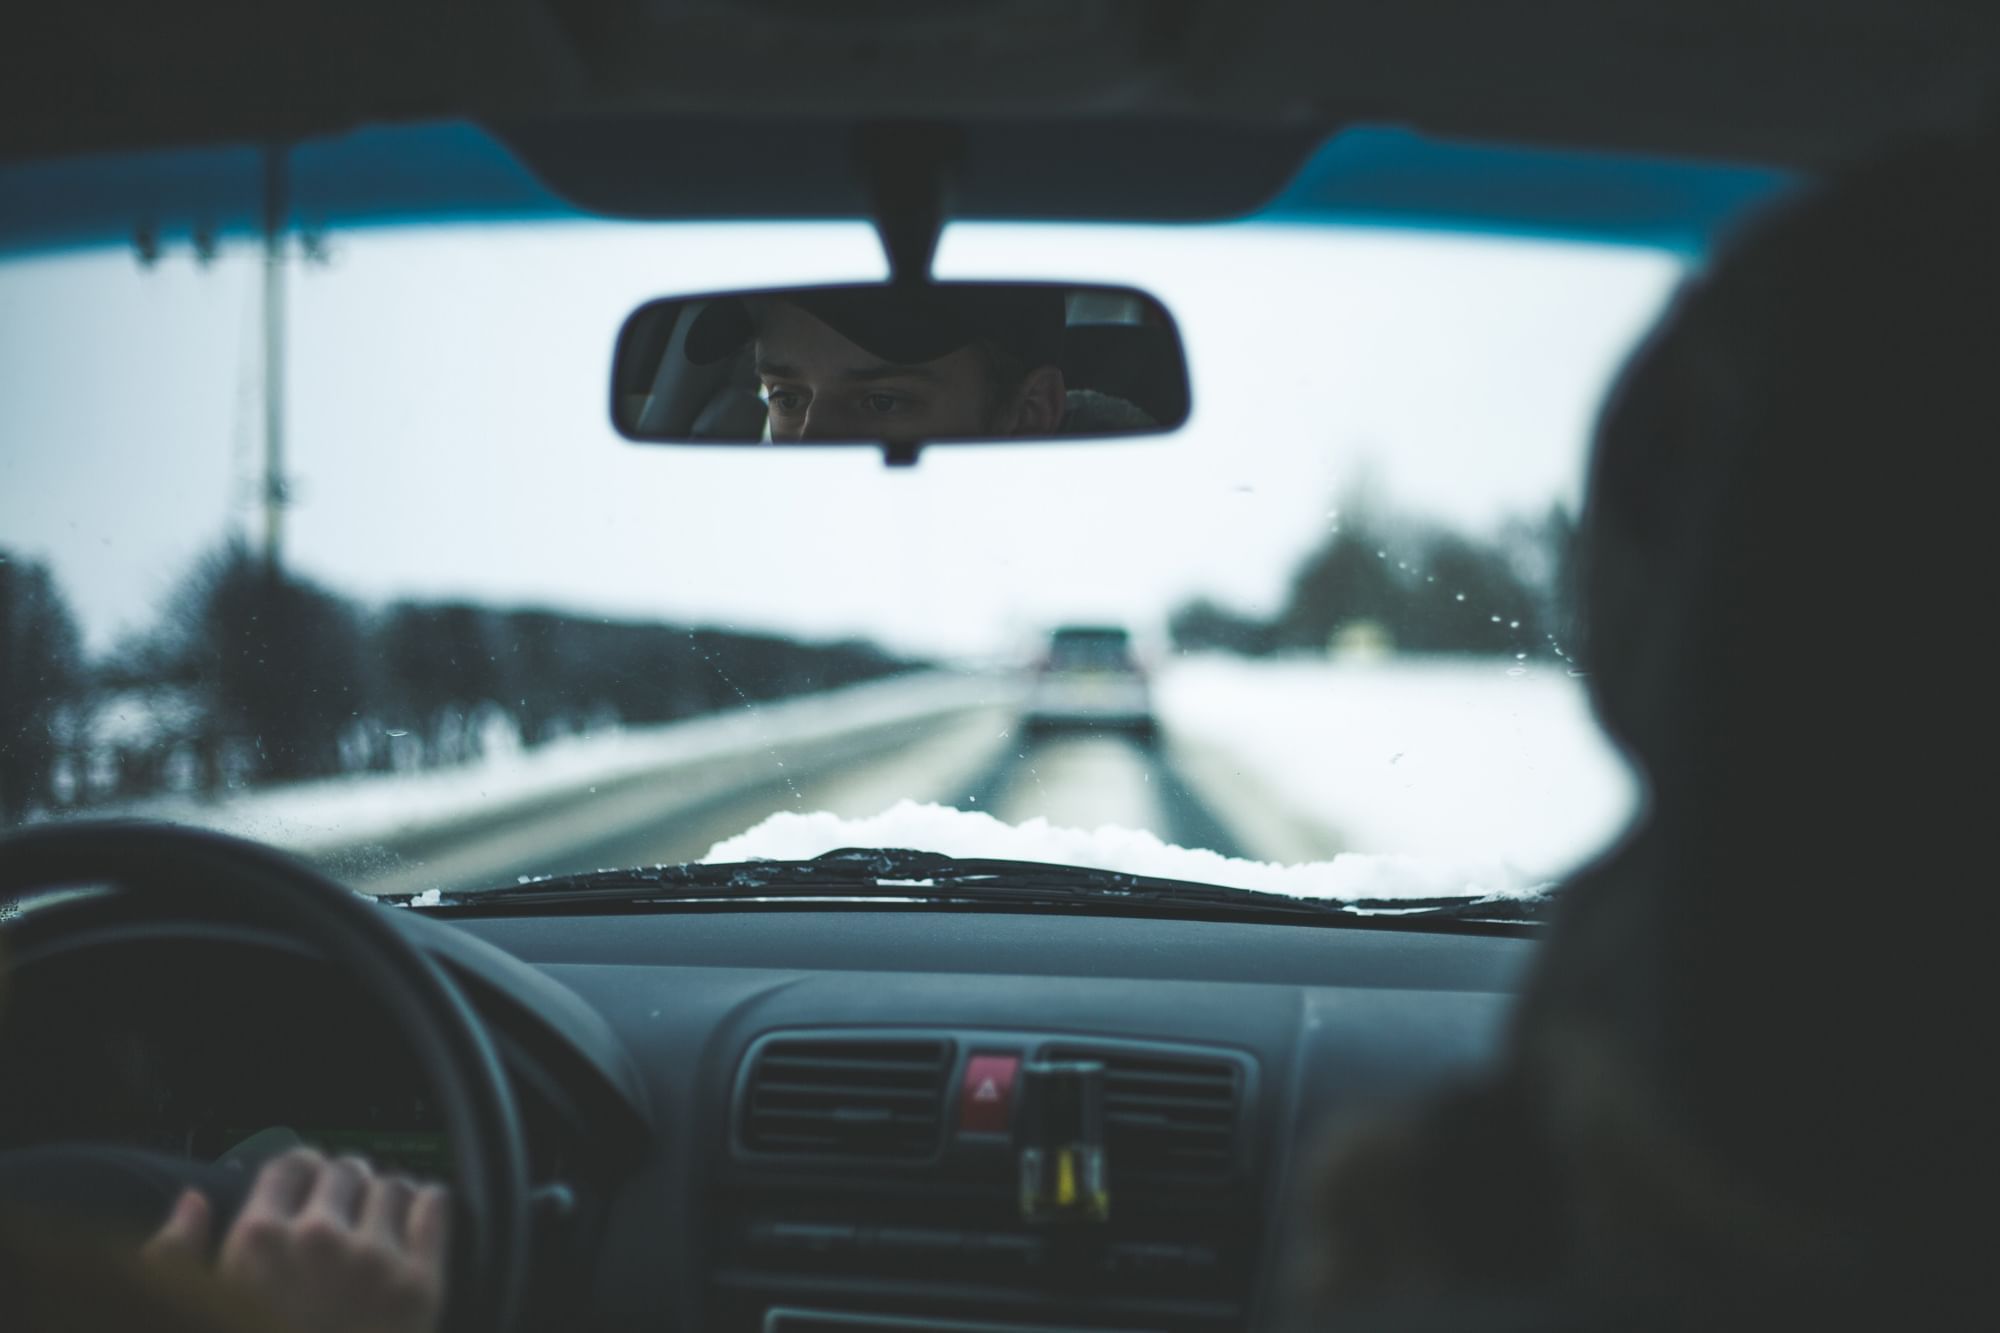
(42, 686)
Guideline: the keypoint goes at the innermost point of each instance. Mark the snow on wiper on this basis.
(849, 872)
(902, 874)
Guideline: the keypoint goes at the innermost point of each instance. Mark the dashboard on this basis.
(799, 1118)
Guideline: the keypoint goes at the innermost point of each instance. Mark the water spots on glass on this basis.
(749, 706)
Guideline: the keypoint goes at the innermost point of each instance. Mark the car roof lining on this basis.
(1626, 120)
(1797, 83)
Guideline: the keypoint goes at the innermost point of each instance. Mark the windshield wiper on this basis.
(903, 875)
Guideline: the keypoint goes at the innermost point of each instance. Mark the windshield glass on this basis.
(409, 607)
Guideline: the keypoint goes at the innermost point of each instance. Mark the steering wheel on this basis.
(182, 874)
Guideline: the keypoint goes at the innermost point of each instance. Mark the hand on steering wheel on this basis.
(316, 1230)
(323, 1246)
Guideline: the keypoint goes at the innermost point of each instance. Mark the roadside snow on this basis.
(335, 813)
(790, 836)
(1436, 778)
(1444, 760)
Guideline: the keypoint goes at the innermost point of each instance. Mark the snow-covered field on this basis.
(1446, 759)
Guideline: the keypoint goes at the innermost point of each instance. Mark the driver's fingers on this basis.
(337, 1193)
(284, 1184)
(430, 1225)
(183, 1238)
(385, 1208)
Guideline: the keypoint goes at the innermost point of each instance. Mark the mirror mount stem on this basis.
(906, 166)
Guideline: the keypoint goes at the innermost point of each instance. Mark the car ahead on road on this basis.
(1089, 681)
(684, 952)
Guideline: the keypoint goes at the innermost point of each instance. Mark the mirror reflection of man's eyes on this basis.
(790, 399)
(820, 385)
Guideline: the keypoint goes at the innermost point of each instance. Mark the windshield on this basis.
(409, 607)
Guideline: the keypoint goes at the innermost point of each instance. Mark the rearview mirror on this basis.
(900, 366)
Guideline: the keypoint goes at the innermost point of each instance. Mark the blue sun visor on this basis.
(455, 172)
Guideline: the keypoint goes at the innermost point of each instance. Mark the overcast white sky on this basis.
(448, 434)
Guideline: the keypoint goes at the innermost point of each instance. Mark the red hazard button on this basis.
(986, 1099)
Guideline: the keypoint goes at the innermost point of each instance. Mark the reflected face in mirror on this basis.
(820, 384)
(904, 365)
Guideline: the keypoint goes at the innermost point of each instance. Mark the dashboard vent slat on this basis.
(847, 1097)
(1168, 1117)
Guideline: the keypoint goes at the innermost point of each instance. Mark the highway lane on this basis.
(1088, 780)
(978, 759)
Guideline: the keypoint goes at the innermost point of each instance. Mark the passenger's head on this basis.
(883, 363)
(1784, 524)
(1788, 596)
(1740, 1074)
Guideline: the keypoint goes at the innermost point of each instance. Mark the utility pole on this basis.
(274, 491)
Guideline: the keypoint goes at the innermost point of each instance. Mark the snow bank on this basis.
(790, 836)
(1440, 760)
(334, 813)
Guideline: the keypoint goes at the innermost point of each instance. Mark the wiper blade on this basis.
(903, 874)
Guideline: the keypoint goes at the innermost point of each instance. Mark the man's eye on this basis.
(784, 400)
(883, 403)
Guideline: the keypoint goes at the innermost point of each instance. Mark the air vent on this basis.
(847, 1097)
(1166, 1116)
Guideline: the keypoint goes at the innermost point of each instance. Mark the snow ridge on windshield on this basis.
(789, 835)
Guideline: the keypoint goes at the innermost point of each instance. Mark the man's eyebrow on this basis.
(776, 370)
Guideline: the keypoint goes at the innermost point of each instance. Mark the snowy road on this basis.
(1290, 762)
(975, 760)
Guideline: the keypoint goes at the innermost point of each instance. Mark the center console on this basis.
(985, 1182)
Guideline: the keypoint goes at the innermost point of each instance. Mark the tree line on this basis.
(1398, 583)
(252, 676)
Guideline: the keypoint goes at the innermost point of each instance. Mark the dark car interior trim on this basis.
(611, 1023)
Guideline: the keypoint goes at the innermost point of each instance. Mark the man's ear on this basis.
(1039, 403)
